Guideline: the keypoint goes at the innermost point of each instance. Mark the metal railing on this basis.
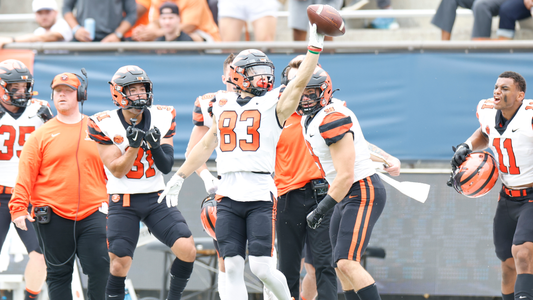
(280, 47)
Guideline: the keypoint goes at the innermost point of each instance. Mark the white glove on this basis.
(210, 181)
(172, 190)
(316, 39)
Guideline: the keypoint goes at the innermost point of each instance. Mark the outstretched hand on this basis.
(172, 191)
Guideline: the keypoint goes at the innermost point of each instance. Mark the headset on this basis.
(82, 88)
(44, 215)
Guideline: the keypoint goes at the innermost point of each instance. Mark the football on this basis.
(327, 19)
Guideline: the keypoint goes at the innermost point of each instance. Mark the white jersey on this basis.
(247, 139)
(329, 126)
(13, 135)
(512, 148)
(108, 128)
(202, 113)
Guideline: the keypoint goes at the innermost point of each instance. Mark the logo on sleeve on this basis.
(118, 139)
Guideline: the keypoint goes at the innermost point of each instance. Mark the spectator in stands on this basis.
(52, 28)
(143, 17)
(195, 18)
(112, 18)
(510, 12)
(483, 11)
(378, 23)
(233, 16)
(298, 16)
(169, 20)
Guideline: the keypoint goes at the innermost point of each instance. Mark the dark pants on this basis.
(292, 231)
(61, 240)
(512, 11)
(28, 237)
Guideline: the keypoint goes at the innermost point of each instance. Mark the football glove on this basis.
(461, 152)
(44, 113)
(315, 217)
(135, 136)
(153, 137)
(210, 181)
(172, 190)
(316, 39)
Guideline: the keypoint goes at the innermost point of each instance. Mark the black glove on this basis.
(153, 137)
(450, 181)
(135, 136)
(44, 113)
(315, 217)
(461, 152)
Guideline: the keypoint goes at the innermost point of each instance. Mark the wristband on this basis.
(469, 144)
(313, 52)
(75, 29)
(315, 49)
(206, 175)
(326, 204)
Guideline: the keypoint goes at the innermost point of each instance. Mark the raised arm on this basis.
(291, 95)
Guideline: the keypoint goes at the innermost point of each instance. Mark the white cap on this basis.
(38, 5)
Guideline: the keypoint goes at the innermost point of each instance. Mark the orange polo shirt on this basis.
(142, 20)
(60, 167)
(295, 166)
(192, 12)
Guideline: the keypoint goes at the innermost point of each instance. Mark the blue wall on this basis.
(413, 105)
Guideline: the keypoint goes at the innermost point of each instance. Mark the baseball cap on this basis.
(173, 7)
(67, 79)
(38, 5)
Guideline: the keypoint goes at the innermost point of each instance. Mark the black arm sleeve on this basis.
(164, 158)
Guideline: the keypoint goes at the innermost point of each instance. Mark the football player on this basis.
(248, 124)
(20, 115)
(506, 128)
(335, 139)
(135, 144)
(202, 120)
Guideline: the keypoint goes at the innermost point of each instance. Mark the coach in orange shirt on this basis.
(61, 174)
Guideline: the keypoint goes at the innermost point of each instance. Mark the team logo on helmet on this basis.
(477, 175)
(14, 71)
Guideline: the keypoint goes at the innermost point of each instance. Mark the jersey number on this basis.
(228, 137)
(10, 142)
(508, 145)
(137, 171)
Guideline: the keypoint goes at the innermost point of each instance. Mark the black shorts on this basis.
(354, 218)
(513, 222)
(238, 222)
(166, 224)
(28, 237)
